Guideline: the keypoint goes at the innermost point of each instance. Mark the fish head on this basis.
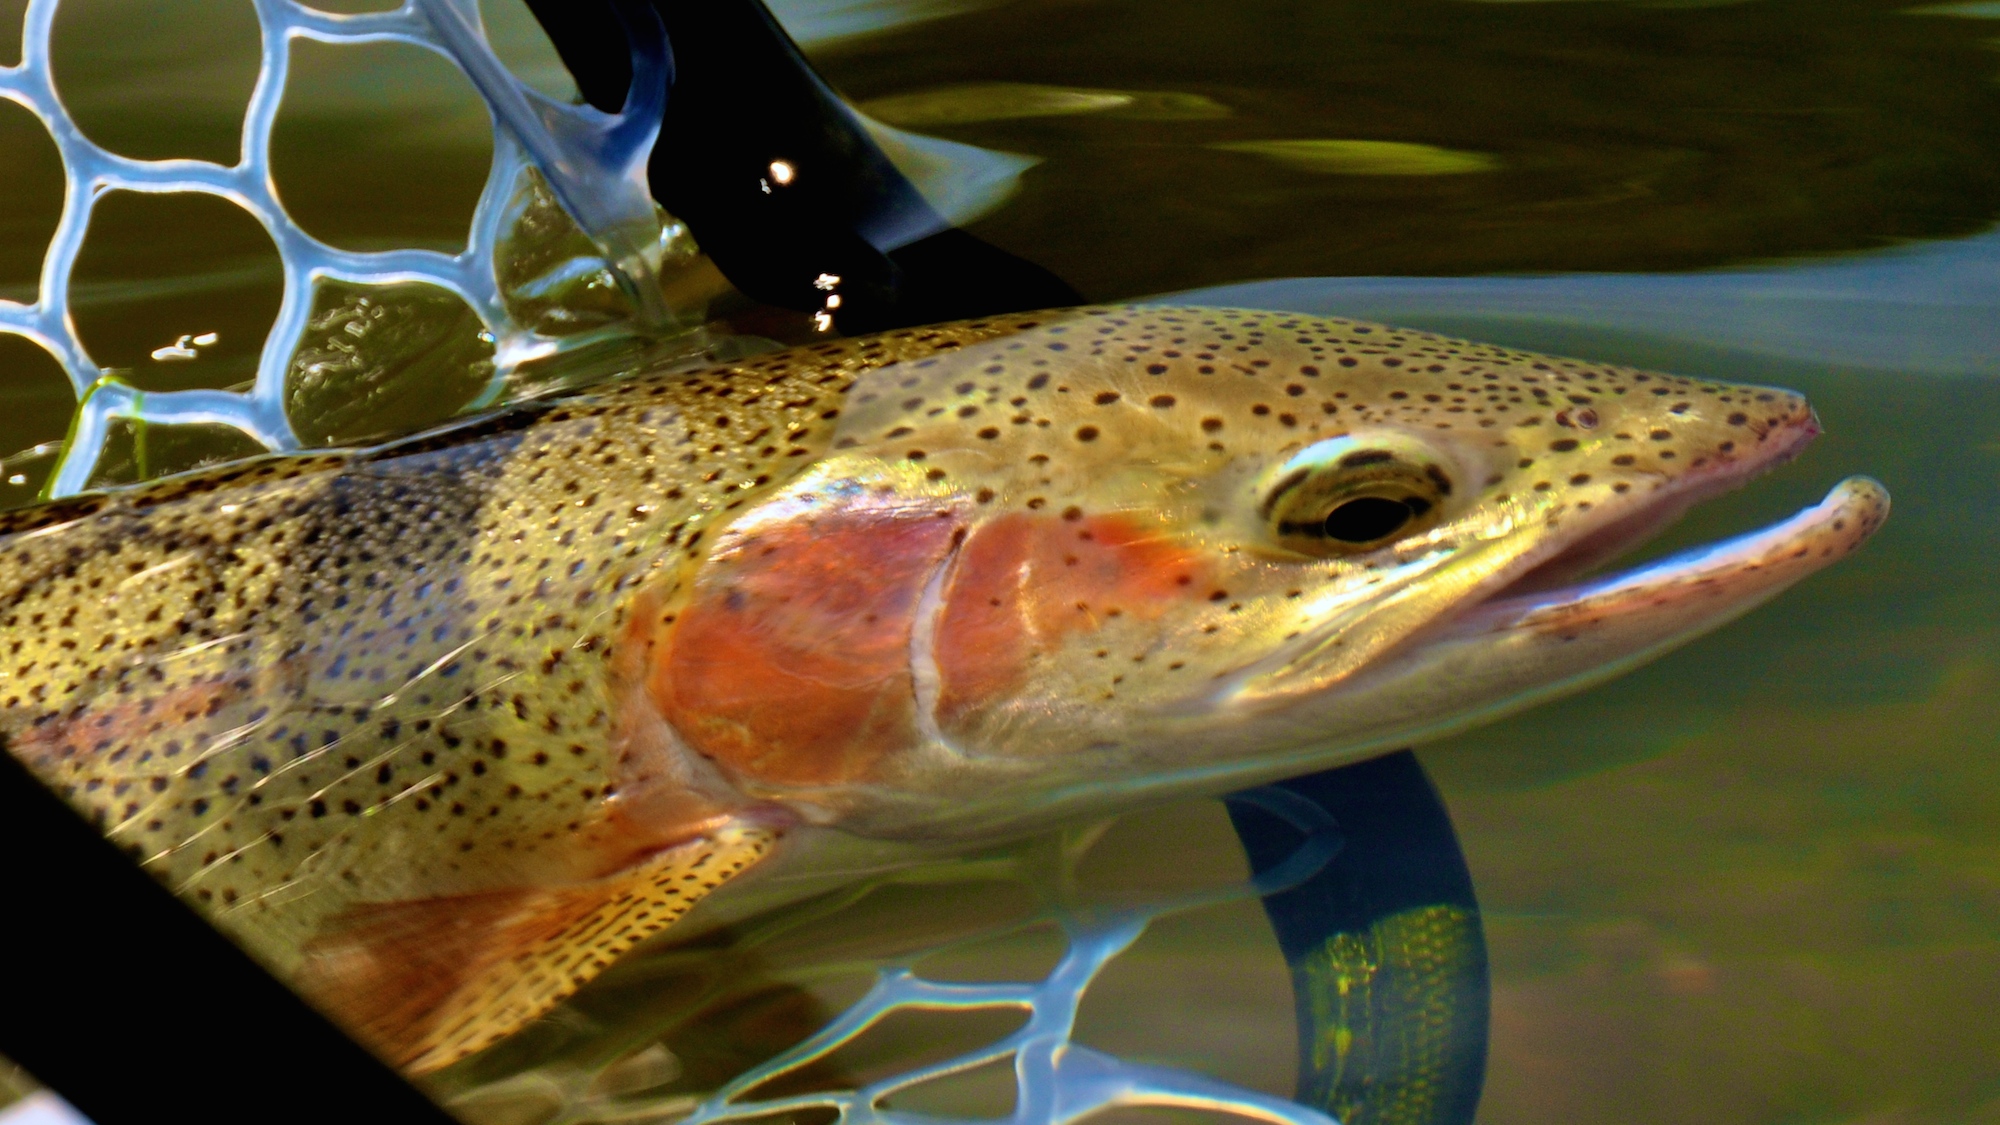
(1146, 552)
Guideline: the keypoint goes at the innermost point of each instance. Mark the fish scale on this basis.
(441, 728)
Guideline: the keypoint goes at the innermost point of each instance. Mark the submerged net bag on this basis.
(894, 1000)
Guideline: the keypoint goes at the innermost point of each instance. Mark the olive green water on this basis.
(1756, 882)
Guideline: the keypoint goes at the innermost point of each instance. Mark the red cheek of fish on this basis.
(790, 663)
(1025, 583)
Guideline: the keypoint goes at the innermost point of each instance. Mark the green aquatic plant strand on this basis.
(139, 426)
(130, 399)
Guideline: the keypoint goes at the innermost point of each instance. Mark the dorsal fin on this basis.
(428, 982)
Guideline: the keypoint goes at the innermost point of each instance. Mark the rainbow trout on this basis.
(439, 729)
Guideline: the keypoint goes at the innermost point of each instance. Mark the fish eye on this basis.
(1345, 496)
(1367, 519)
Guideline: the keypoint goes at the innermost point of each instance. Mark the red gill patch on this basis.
(1023, 583)
(790, 661)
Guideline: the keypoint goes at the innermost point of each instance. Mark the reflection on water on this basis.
(1756, 882)
(817, 22)
(1627, 136)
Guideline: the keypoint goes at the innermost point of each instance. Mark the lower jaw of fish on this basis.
(1706, 585)
(1530, 641)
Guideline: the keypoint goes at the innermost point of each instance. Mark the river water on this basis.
(1755, 882)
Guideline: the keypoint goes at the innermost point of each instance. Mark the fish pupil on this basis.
(1365, 519)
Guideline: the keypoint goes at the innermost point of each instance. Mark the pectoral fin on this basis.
(426, 983)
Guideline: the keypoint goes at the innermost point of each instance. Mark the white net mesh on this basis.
(593, 163)
(1054, 1078)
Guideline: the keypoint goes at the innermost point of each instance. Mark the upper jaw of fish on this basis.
(1494, 588)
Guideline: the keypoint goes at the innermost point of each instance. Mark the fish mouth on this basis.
(1554, 577)
(1561, 620)
(1711, 583)
(1526, 618)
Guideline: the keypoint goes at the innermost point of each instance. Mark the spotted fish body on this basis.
(439, 729)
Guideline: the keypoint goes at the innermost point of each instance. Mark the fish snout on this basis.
(1788, 424)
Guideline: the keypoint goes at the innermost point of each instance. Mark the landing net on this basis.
(593, 165)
